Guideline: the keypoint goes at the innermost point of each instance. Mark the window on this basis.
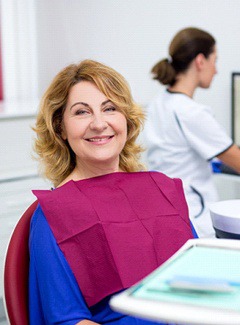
(19, 54)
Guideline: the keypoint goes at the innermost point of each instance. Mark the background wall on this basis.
(133, 35)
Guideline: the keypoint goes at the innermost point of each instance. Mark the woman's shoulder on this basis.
(39, 227)
(175, 101)
(186, 106)
(164, 180)
(37, 216)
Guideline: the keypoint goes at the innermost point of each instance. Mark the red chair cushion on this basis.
(16, 270)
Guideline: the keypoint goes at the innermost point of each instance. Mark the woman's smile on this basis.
(99, 140)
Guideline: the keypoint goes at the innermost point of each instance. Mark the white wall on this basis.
(133, 35)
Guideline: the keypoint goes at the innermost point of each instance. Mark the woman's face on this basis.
(209, 69)
(95, 128)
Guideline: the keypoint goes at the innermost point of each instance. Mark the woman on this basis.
(182, 135)
(106, 224)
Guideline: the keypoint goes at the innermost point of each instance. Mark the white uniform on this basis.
(181, 137)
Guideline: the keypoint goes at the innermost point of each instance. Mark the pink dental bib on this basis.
(117, 228)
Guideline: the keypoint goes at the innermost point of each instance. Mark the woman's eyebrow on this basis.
(105, 102)
(77, 103)
(86, 105)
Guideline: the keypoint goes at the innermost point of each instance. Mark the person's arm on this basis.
(55, 297)
(231, 157)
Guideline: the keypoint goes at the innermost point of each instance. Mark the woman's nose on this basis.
(98, 123)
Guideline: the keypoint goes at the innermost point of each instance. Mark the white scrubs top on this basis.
(182, 136)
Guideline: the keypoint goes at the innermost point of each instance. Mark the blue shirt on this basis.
(54, 295)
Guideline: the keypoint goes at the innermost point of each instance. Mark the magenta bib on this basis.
(117, 228)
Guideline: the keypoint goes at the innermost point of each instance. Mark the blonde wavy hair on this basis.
(57, 160)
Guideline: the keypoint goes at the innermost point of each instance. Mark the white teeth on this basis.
(98, 139)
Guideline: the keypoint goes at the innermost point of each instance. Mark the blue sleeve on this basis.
(55, 297)
(194, 231)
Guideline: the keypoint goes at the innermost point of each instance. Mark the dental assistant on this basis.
(182, 136)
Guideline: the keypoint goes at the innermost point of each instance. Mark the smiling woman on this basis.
(107, 223)
(94, 96)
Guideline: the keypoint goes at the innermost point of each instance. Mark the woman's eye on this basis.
(110, 109)
(81, 112)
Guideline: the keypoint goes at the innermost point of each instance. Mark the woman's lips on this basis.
(100, 140)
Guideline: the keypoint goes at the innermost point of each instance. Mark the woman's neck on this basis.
(88, 171)
(184, 88)
(186, 83)
(92, 172)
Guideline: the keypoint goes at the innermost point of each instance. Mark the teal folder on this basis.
(199, 285)
(209, 268)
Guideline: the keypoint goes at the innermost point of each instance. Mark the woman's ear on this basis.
(199, 61)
